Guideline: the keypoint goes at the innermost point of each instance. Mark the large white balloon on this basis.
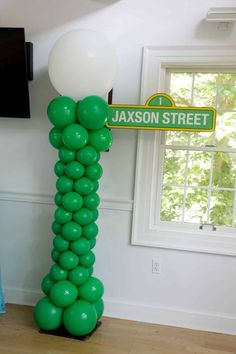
(82, 63)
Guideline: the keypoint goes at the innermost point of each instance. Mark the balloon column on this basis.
(73, 296)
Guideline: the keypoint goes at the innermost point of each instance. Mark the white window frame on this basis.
(146, 230)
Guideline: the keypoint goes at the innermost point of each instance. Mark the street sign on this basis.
(161, 113)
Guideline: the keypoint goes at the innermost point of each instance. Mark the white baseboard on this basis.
(213, 322)
(21, 297)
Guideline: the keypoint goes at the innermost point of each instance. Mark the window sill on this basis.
(216, 242)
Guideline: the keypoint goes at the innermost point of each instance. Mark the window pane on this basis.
(181, 88)
(227, 91)
(201, 139)
(177, 138)
(174, 167)
(204, 93)
(224, 170)
(225, 130)
(171, 203)
(199, 167)
(186, 139)
(196, 204)
(221, 208)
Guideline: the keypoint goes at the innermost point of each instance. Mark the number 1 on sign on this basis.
(160, 101)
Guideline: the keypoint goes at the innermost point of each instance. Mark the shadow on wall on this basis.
(213, 30)
(41, 93)
(41, 15)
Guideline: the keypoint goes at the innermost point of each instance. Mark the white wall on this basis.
(193, 290)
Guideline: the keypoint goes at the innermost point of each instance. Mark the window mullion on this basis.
(212, 156)
(201, 148)
(210, 187)
(216, 104)
(185, 185)
(234, 207)
(187, 158)
(192, 89)
(199, 187)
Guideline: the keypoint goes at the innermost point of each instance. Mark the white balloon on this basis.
(82, 63)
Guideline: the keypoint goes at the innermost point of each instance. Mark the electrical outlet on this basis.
(156, 269)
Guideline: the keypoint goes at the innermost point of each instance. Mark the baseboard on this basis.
(213, 322)
(21, 297)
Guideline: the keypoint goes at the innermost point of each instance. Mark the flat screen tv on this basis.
(14, 92)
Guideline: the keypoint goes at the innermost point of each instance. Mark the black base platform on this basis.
(62, 332)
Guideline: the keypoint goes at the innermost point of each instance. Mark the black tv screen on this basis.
(14, 92)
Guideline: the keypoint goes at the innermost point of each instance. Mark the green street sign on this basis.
(161, 113)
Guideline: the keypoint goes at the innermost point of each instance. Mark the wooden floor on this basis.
(19, 335)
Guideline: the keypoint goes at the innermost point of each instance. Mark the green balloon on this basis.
(78, 276)
(63, 293)
(99, 307)
(72, 201)
(80, 246)
(90, 270)
(92, 243)
(95, 186)
(59, 168)
(57, 273)
(62, 216)
(47, 284)
(60, 244)
(83, 216)
(64, 184)
(83, 186)
(98, 156)
(80, 318)
(55, 138)
(95, 214)
(66, 155)
(55, 255)
(75, 136)
(92, 112)
(62, 111)
(74, 170)
(71, 231)
(94, 171)
(56, 227)
(68, 260)
(90, 230)
(58, 199)
(91, 201)
(87, 260)
(92, 290)
(47, 315)
(100, 139)
(87, 156)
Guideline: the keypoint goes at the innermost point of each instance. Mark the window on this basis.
(185, 182)
(199, 169)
